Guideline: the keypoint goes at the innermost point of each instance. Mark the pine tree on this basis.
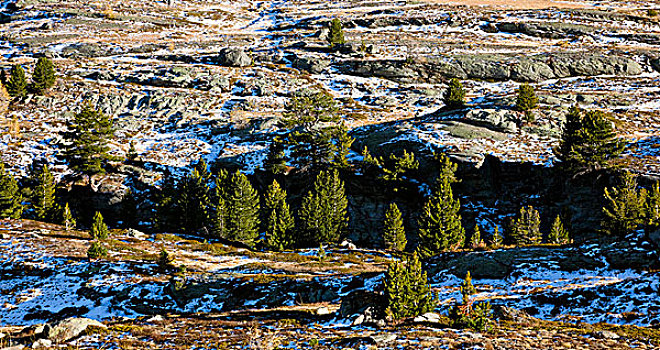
(496, 240)
(407, 290)
(219, 209)
(588, 142)
(43, 77)
(279, 222)
(525, 228)
(275, 161)
(129, 209)
(343, 147)
(526, 100)
(393, 232)
(166, 211)
(336, 36)
(558, 235)
(10, 195)
(242, 210)
(43, 195)
(165, 260)
(440, 227)
(192, 200)
(476, 316)
(17, 84)
(467, 288)
(323, 216)
(454, 96)
(86, 148)
(96, 250)
(131, 155)
(653, 206)
(99, 229)
(475, 239)
(624, 210)
(67, 218)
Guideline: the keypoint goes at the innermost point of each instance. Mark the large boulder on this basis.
(312, 65)
(234, 57)
(496, 119)
(71, 328)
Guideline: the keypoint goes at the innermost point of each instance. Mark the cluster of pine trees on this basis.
(43, 78)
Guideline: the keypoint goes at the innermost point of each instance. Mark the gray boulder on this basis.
(312, 65)
(529, 70)
(495, 119)
(234, 57)
(71, 328)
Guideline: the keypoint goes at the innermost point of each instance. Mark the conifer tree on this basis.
(17, 84)
(275, 161)
(393, 232)
(467, 288)
(67, 218)
(323, 215)
(558, 234)
(336, 36)
(476, 316)
(526, 100)
(525, 228)
(96, 250)
(242, 210)
(43, 195)
(279, 222)
(407, 290)
(165, 260)
(193, 200)
(440, 227)
(624, 210)
(496, 240)
(129, 209)
(86, 148)
(43, 77)
(653, 206)
(10, 195)
(220, 212)
(454, 96)
(99, 229)
(475, 239)
(588, 142)
(165, 200)
(343, 147)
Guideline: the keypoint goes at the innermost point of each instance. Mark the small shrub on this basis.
(652, 12)
(336, 36)
(471, 315)
(454, 96)
(96, 250)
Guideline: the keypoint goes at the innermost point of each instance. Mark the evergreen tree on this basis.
(588, 141)
(279, 222)
(440, 227)
(454, 96)
(468, 315)
(129, 209)
(342, 148)
(323, 215)
(17, 84)
(131, 155)
(99, 229)
(43, 77)
(393, 232)
(43, 195)
(275, 161)
(336, 36)
(242, 210)
(392, 169)
(86, 148)
(166, 211)
(525, 228)
(407, 290)
(67, 218)
(496, 240)
(624, 210)
(220, 212)
(10, 195)
(526, 100)
(653, 206)
(558, 234)
(467, 288)
(475, 240)
(165, 260)
(192, 200)
(96, 250)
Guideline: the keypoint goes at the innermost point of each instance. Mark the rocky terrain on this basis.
(186, 79)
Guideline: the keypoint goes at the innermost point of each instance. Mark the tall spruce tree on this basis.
(323, 216)
(68, 220)
(525, 228)
(526, 100)
(165, 202)
(653, 206)
(343, 143)
(86, 148)
(454, 96)
(242, 210)
(588, 142)
(278, 219)
(475, 239)
(558, 234)
(496, 239)
(336, 35)
(275, 161)
(43, 195)
(10, 195)
(193, 200)
(17, 84)
(43, 77)
(394, 234)
(99, 229)
(624, 209)
(407, 291)
(440, 227)
(219, 209)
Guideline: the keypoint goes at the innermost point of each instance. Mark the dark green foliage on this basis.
(131, 155)
(392, 169)
(193, 200)
(526, 100)
(99, 229)
(343, 143)
(166, 212)
(467, 314)
(321, 255)
(475, 239)
(394, 234)
(17, 84)
(588, 141)
(96, 250)
(129, 209)
(219, 209)
(68, 220)
(407, 290)
(440, 227)
(496, 239)
(165, 261)
(336, 36)
(279, 222)
(653, 206)
(625, 207)
(43, 77)
(86, 148)
(275, 161)
(10, 195)
(43, 195)
(242, 210)
(525, 228)
(558, 234)
(454, 96)
(323, 216)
